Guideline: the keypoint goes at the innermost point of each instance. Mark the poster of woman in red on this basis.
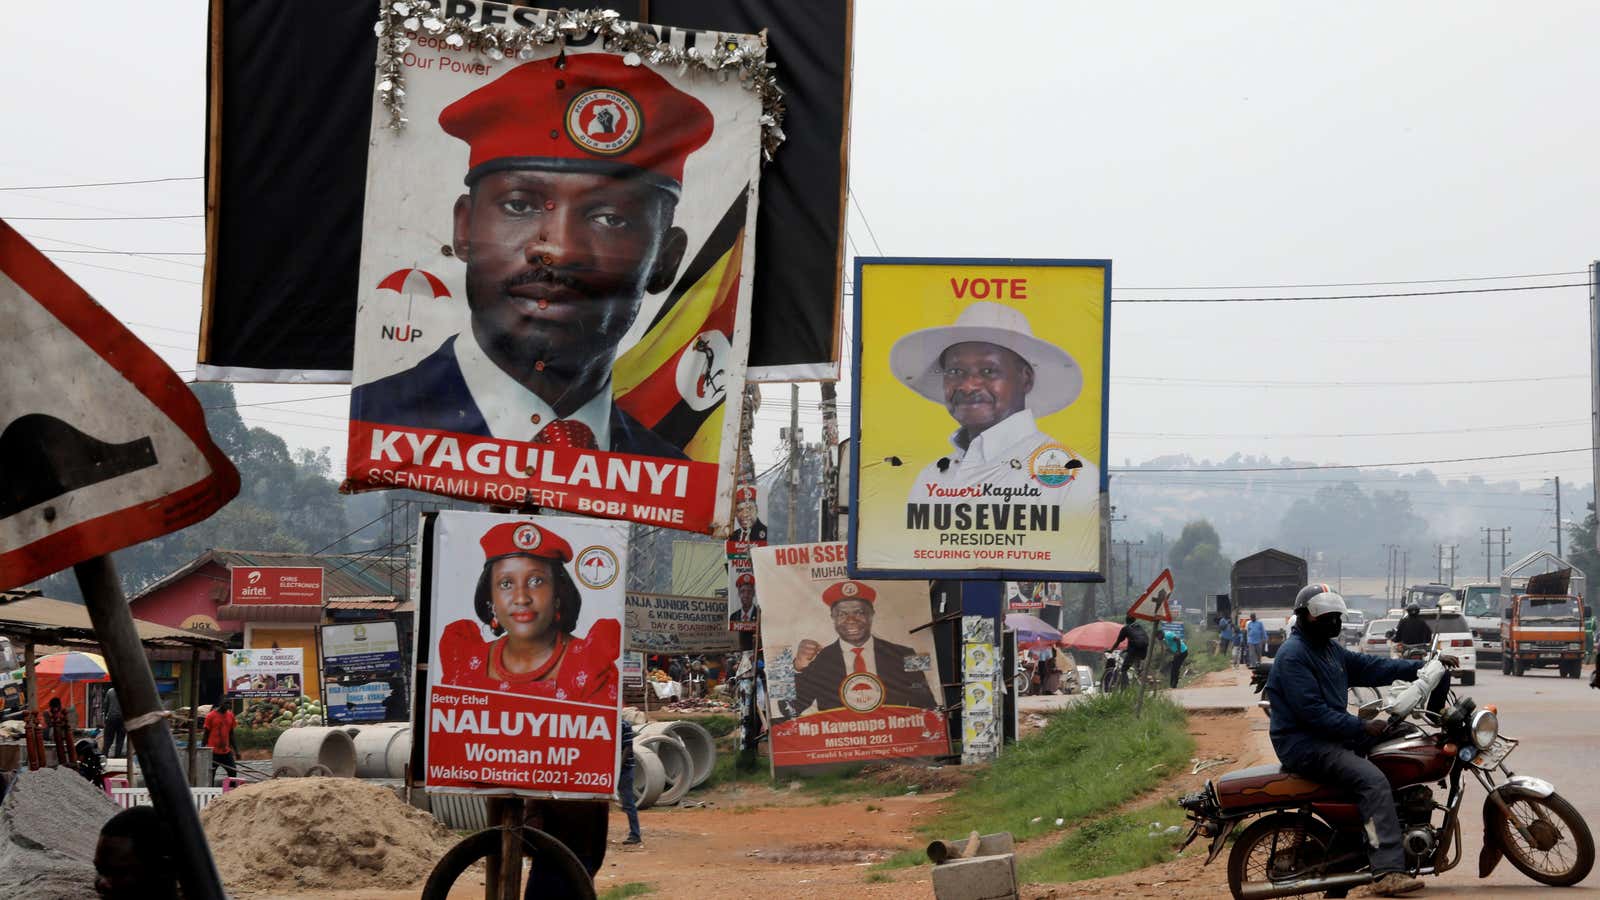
(526, 636)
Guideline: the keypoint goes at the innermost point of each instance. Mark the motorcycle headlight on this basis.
(1485, 727)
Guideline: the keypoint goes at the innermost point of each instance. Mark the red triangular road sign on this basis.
(1154, 605)
(101, 445)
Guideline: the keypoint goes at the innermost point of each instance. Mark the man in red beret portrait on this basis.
(574, 175)
(823, 675)
(746, 618)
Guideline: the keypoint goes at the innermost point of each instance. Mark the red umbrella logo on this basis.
(412, 282)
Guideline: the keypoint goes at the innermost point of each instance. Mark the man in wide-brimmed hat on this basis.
(995, 378)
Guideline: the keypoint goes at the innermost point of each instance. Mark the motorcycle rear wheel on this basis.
(1281, 844)
(1551, 819)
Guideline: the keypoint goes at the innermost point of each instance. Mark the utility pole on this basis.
(1558, 515)
(794, 458)
(1504, 540)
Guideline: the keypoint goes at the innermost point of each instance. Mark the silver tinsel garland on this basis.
(401, 21)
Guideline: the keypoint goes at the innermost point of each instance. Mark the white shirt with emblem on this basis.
(1002, 458)
(508, 408)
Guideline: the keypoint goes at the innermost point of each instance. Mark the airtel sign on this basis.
(293, 585)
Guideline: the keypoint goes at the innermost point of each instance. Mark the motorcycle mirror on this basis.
(1370, 709)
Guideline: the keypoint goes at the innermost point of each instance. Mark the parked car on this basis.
(1375, 639)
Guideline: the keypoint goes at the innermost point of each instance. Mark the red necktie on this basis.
(860, 664)
(567, 433)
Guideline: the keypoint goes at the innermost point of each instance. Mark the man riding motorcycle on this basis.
(1413, 630)
(1313, 734)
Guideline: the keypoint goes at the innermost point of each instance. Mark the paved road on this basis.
(1556, 721)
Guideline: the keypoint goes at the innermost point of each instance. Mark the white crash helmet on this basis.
(1318, 600)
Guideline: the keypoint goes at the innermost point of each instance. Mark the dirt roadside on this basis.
(752, 840)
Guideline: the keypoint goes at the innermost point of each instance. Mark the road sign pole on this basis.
(148, 728)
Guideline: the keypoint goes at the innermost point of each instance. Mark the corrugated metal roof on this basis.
(379, 603)
(269, 612)
(30, 617)
(344, 574)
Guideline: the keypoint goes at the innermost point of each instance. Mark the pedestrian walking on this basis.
(113, 741)
(630, 804)
(219, 725)
(1256, 637)
(1179, 649)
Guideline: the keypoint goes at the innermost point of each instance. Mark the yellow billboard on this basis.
(980, 406)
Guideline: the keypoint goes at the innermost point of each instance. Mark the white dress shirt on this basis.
(869, 655)
(1000, 456)
(509, 408)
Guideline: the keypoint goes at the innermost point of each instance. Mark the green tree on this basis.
(1199, 569)
(288, 502)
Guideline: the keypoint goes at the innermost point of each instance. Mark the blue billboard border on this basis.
(851, 563)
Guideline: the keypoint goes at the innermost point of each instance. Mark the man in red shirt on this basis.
(219, 726)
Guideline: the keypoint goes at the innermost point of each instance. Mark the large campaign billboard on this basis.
(847, 677)
(984, 383)
(555, 280)
(525, 634)
(273, 312)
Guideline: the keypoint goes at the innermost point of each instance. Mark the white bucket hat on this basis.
(1057, 377)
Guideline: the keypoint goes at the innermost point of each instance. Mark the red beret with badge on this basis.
(745, 578)
(581, 112)
(523, 539)
(746, 494)
(849, 590)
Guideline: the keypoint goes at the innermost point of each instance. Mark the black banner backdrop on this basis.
(290, 93)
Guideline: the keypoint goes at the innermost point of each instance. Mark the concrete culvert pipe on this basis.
(380, 748)
(649, 778)
(695, 739)
(302, 748)
(675, 760)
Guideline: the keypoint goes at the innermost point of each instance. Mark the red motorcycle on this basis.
(1307, 837)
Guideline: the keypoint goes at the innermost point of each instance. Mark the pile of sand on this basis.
(340, 833)
(49, 825)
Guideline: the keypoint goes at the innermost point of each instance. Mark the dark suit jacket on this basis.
(433, 394)
(821, 680)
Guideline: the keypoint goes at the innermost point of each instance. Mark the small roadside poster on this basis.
(254, 673)
(847, 678)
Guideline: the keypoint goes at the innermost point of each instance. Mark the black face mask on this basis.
(1324, 628)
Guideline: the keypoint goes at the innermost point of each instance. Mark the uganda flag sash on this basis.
(675, 380)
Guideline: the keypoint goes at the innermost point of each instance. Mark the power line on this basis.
(95, 218)
(1157, 381)
(84, 184)
(277, 402)
(1495, 290)
(136, 252)
(1272, 287)
(89, 265)
(152, 257)
(1352, 434)
(1416, 462)
(863, 213)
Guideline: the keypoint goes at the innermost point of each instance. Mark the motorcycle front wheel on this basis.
(1561, 849)
(1279, 847)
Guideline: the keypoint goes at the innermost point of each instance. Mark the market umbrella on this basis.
(72, 666)
(1095, 636)
(1033, 633)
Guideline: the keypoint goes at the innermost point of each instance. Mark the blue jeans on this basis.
(630, 806)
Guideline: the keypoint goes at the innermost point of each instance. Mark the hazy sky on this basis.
(1193, 144)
